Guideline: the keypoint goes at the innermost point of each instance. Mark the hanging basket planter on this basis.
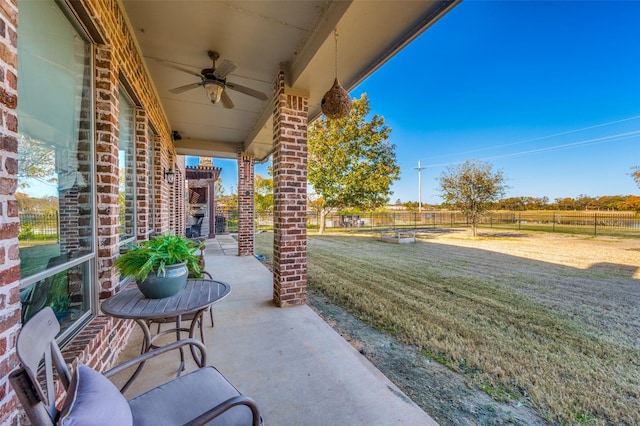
(336, 103)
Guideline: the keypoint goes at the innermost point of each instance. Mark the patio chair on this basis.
(194, 230)
(35, 297)
(192, 399)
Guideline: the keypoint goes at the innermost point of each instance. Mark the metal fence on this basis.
(594, 223)
(38, 225)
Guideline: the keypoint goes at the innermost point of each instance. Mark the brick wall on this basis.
(9, 259)
(108, 20)
(143, 145)
(245, 205)
(158, 188)
(290, 197)
(117, 60)
(99, 343)
(178, 202)
(107, 206)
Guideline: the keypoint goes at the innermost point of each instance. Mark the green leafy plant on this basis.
(59, 294)
(154, 254)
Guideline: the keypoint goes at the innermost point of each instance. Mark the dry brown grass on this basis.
(548, 319)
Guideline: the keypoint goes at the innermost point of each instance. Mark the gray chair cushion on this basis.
(183, 398)
(92, 400)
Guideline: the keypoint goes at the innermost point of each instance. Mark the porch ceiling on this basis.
(262, 37)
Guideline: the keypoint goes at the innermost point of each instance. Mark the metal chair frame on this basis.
(37, 341)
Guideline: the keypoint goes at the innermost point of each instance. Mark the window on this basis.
(126, 169)
(55, 175)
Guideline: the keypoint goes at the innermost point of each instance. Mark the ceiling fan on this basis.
(214, 81)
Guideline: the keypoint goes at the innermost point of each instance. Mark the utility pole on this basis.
(419, 186)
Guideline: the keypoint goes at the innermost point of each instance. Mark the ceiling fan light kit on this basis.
(214, 91)
(336, 103)
(214, 81)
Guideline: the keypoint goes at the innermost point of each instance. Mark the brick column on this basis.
(108, 208)
(211, 202)
(165, 195)
(157, 185)
(142, 145)
(290, 196)
(9, 252)
(246, 232)
(179, 202)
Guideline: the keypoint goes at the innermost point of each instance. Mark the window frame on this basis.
(122, 90)
(90, 259)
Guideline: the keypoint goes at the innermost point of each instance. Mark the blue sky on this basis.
(546, 91)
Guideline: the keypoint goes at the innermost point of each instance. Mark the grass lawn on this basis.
(34, 256)
(550, 320)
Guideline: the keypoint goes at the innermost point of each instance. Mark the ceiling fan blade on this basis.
(178, 67)
(247, 91)
(225, 68)
(226, 100)
(182, 89)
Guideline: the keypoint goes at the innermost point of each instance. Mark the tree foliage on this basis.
(36, 160)
(472, 187)
(351, 162)
(263, 194)
(636, 174)
(43, 205)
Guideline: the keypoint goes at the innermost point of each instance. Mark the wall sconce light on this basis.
(169, 175)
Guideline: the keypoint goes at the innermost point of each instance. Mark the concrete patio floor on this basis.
(296, 367)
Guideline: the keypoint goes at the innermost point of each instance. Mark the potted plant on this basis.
(160, 265)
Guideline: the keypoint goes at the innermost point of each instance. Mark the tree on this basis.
(36, 160)
(218, 188)
(512, 203)
(566, 203)
(351, 162)
(412, 206)
(636, 174)
(632, 203)
(263, 195)
(472, 186)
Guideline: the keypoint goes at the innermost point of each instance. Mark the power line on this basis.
(587, 142)
(567, 132)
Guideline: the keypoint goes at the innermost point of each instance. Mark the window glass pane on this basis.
(126, 169)
(55, 152)
(65, 292)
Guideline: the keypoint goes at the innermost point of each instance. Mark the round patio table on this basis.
(190, 303)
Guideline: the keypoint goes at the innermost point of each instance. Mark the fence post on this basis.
(553, 223)
(595, 224)
(519, 220)
(452, 219)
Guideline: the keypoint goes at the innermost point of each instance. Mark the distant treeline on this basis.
(583, 202)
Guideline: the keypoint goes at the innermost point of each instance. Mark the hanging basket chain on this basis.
(335, 33)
